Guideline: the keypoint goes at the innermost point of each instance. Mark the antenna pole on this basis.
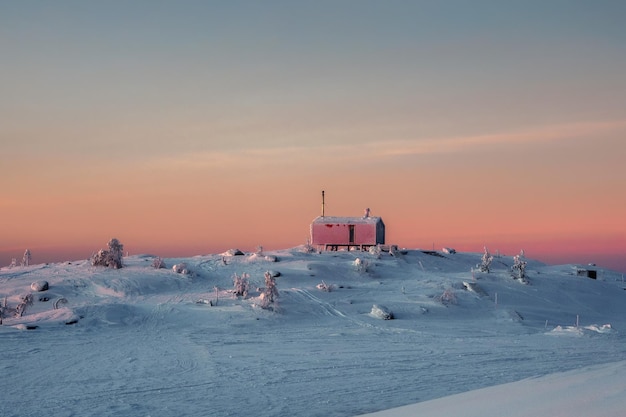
(322, 203)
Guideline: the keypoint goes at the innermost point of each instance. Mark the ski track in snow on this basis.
(142, 346)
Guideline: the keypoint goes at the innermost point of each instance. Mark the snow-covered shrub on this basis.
(269, 294)
(487, 259)
(447, 297)
(360, 265)
(112, 257)
(322, 286)
(307, 247)
(242, 285)
(180, 268)
(158, 263)
(375, 251)
(381, 312)
(518, 270)
(449, 251)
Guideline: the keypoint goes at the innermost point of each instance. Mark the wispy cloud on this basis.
(467, 143)
(384, 148)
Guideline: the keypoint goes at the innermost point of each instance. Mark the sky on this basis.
(194, 127)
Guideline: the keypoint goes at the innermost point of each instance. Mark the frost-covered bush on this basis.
(375, 251)
(112, 257)
(487, 259)
(181, 268)
(307, 247)
(158, 263)
(269, 294)
(360, 265)
(518, 270)
(447, 297)
(322, 286)
(242, 285)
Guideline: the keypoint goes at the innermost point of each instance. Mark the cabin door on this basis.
(351, 229)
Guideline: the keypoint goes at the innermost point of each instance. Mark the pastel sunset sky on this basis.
(193, 127)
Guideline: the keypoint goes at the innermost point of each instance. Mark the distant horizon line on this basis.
(609, 261)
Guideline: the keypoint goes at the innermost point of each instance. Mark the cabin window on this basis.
(351, 229)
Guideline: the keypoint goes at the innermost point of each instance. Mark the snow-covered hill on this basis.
(146, 341)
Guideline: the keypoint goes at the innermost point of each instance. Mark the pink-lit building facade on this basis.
(350, 232)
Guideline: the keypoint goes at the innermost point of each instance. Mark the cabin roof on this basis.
(347, 220)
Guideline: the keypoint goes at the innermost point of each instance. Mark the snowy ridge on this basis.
(145, 341)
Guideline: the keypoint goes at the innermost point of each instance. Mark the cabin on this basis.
(586, 272)
(349, 232)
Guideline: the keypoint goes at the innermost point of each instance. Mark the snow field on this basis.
(147, 341)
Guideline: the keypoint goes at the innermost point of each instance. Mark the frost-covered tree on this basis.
(518, 270)
(112, 257)
(26, 259)
(487, 259)
(269, 294)
(116, 249)
(242, 285)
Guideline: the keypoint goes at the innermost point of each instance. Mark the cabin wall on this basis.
(339, 233)
(365, 234)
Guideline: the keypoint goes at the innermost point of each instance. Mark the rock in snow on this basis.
(39, 286)
(381, 312)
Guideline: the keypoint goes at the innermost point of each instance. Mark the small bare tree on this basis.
(25, 300)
